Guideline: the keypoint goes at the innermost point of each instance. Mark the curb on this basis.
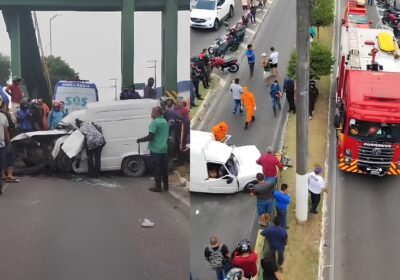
(200, 115)
(179, 196)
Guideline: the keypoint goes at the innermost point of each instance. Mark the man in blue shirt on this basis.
(276, 94)
(277, 239)
(282, 199)
(251, 58)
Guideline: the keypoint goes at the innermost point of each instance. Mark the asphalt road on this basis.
(367, 227)
(231, 216)
(202, 38)
(66, 228)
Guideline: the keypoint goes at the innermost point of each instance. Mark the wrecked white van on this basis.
(216, 167)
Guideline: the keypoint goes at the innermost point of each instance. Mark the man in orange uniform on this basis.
(220, 131)
(45, 112)
(250, 104)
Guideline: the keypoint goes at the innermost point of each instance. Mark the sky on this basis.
(91, 44)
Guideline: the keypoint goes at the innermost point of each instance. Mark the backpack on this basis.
(216, 258)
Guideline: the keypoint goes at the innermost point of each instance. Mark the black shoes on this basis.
(199, 98)
(314, 212)
(246, 125)
(155, 189)
(253, 119)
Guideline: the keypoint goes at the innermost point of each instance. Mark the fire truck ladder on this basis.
(354, 52)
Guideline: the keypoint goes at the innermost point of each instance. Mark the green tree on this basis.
(321, 62)
(5, 71)
(322, 14)
(59, 70)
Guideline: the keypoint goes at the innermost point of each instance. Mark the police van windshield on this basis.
(380, 132)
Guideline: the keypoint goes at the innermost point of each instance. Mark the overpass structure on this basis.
(25, 57)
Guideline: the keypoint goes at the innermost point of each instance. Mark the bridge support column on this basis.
(14, 31)
(170, 45)
(127, 41)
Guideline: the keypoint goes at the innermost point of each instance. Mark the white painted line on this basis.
(251, 31)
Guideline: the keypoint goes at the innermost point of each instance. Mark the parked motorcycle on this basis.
(222, 45)
(238, 31)
(221, 63)
(390, 15)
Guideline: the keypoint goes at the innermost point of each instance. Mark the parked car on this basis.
(211, 13)
(234, 168)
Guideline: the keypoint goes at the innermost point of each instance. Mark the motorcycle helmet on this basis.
(243, 246)
(234, 274)
(56, 106)
(24, 104)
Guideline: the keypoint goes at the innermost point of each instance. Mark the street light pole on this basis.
(155, 71)
(115, 87)
(51, 43)
(303, 8)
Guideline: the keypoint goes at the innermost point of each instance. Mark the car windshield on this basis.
(233, 165)
(358, 19)
(205, 5)
(380, 132)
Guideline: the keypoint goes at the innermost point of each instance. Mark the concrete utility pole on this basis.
(302, 83)
(51, 42)
(115, 87)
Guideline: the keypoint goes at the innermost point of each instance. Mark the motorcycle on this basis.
(222, 45)
(238, 31)
(221, 63)
(390, 15)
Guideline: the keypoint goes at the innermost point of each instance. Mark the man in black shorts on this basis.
(273, 60)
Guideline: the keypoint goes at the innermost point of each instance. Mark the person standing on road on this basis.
(24, 116)
(245, 258)
(220, 131)
(218, 256)
(277, 239)
(316, 185)
(270, 269)
(274, 61)
(149, 91)
(45, 110)
(249, 103)
(263, 191)
(288, 88)
(94, 143)
(313, 95)
(16, 94)
(267, 68)
(276, 95)
(282, 199)
(5, 143)
(269, 163)
(236, 90)
(251, 58)
(158, 146)
(201, 65)
(253, 11)
(207, 63)
(195, 77)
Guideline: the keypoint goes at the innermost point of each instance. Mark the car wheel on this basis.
(231, 12)
(216, 24)
(64, 163)
(133, 166)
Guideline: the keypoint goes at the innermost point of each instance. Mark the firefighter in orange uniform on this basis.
(249, 103)
(220, 131)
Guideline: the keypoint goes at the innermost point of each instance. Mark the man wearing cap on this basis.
(316, 185)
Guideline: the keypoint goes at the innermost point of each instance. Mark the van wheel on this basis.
(133, 166)
(216, 24)
(64, 163)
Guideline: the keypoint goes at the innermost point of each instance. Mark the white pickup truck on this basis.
(210, 13)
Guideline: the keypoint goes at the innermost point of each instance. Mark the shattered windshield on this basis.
(233, 165)
(380, 132)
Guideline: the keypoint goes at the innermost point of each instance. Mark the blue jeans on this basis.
(276, 102)
(269, 180)
(237, 104)
(282, 213)
(2, 158)
(220, 273)
(160, 168)
(264, 206)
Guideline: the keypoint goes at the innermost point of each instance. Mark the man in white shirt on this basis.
(273, 58)
(316, 185)
(236, 91)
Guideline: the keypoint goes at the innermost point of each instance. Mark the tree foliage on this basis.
(322, 13)
(321, 62)
(59, 70)
(5, 66)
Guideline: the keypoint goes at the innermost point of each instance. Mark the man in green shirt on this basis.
(158, 145)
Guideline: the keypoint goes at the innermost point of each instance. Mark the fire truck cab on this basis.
(367, 119)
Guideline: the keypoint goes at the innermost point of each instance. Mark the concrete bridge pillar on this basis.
(14, 31)
(170, 45)
(127, 44)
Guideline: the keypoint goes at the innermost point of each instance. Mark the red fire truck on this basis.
(367, 116)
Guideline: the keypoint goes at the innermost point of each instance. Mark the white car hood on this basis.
(247, 157)
(203, 14)
(26, 135)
